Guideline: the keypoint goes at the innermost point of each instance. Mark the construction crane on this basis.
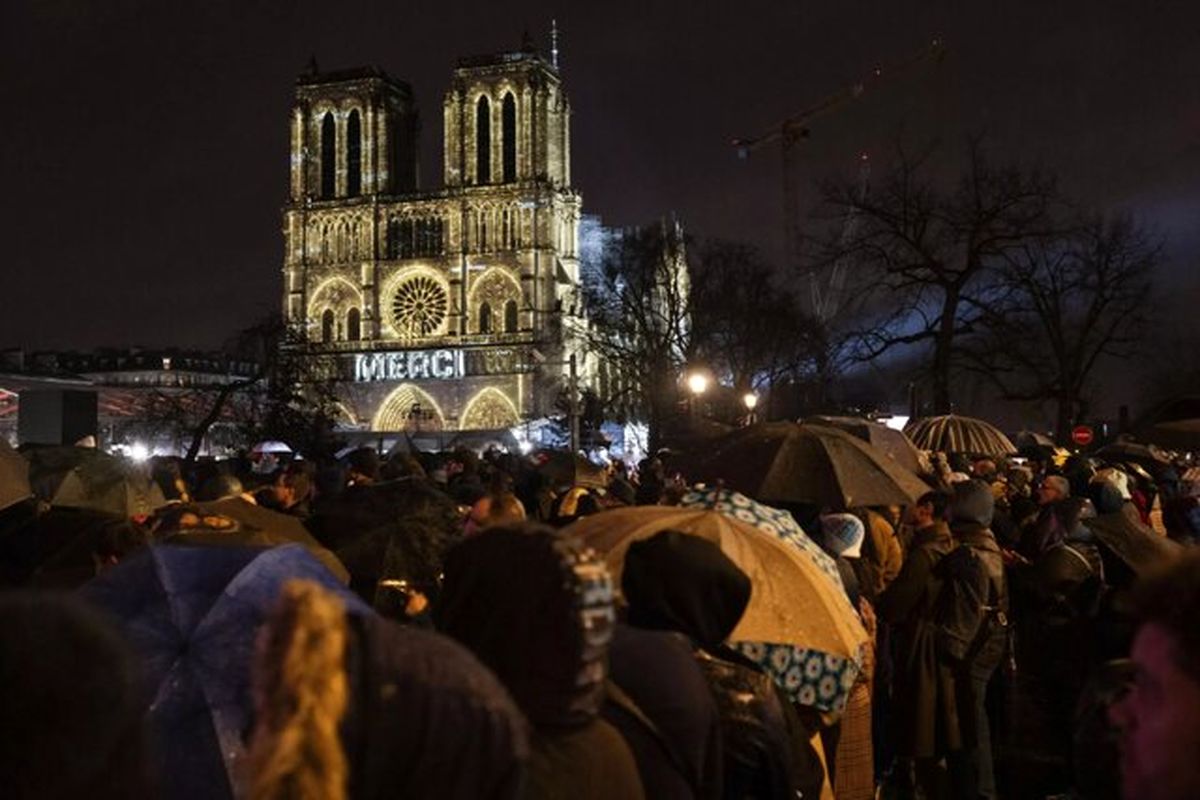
(790, 131)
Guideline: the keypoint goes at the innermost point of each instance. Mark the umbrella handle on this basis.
(716, 492)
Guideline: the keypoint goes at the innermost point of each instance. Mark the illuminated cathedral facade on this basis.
(439, 310)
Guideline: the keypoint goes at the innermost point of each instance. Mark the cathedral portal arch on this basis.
(409, 408)
(490, 409)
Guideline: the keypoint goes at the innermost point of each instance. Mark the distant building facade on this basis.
(436, 310)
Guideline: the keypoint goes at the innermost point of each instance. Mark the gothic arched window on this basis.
(485, 318)
(327, 325)
(353, 325)
(328, 156)
(353, 155)
(508, 133)
(483, 141)
(510, 316)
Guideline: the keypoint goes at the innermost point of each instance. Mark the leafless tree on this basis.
(1072, 300)
(638, 317)
(926, 252)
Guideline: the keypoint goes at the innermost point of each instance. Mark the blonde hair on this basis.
(301, 693)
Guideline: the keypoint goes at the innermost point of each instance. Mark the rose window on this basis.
(419, 306)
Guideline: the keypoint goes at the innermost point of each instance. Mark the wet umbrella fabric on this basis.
(785, 462)
(780, 660)
(192, 614)
(1137, 545)
(1175, 424)
(888, 440)
(256, 527)
(83, 477)
(954, 434)
(795, 612)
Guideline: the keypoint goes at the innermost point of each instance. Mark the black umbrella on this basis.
(954, 434)
(1174, 424)
(14, 476)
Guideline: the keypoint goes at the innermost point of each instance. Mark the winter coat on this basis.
(535, 607)
(881, 555)
(673, 727)
(924, 705)
(676, 582)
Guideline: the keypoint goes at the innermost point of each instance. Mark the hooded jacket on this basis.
(536, 607)
(676, 582)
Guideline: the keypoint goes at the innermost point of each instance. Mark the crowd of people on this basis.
(439, 630)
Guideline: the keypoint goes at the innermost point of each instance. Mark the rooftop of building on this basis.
(313, 76)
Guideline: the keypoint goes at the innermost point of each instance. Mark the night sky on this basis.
(145, 148)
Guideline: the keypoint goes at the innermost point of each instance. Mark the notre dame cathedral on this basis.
(443, 310)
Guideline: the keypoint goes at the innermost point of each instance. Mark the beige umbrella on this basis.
(792, 601)
(783, 462)
(954, 434)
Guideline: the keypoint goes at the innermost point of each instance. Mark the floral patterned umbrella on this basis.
(811, 677)
(798, 625)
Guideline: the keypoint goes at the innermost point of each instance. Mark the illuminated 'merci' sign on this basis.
(442, 365)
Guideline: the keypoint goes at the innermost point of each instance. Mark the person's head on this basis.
(929, 508)
(842, 535)
(676, 582)
(984, 469)
(1159, 718)
(352, 705)
(362, 466)
(536, 607)
(70, 716)
(973, 504)
(1053, 489)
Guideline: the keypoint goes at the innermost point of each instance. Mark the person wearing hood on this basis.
(1058, 600)
(536, 608)
(356, 707)
(676, 582)
(924, 709)
(970, 520)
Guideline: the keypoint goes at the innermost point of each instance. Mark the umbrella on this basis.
(774, 521)
(254, 526)
(270, 446)
(889, 440)
(570, 469)
(1033, 439)
(1174, 424)
(955, 434)
(798, 622)
(785, 462)
(1137, 545)
(14, 476)
(191, 615)
(83, 477)
(1146, 454)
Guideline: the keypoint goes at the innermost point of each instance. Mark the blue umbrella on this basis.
(191, 615)
(812, 677)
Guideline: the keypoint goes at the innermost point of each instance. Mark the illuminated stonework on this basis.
(490, 410)
(483, 266)
(418, 306)
(409, 408)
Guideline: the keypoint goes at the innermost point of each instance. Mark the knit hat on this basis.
(843, 534)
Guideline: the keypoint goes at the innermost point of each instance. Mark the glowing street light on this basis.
(697, 383)
(750, 401)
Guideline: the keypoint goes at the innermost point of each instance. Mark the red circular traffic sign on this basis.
(1082, 435)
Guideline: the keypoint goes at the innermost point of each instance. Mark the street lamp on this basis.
(750, 401)
(697, 383)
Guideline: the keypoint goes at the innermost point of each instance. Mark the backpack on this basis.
(964, 614)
